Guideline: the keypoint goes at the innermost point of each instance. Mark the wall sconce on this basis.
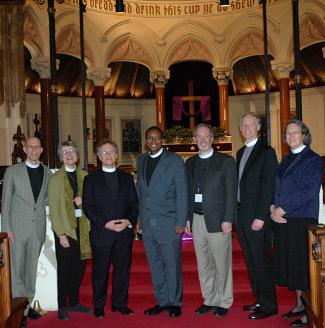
(119, 6)
(224, 3)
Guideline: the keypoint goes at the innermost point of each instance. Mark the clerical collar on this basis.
(108, 169)
(69, 169)
(298, 150)
(207, 155)
(251, 143)
(157, 154)
(32, 166)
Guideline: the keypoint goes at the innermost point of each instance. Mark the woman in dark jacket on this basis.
(296, 206)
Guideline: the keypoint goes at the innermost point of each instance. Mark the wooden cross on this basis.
(191, 99)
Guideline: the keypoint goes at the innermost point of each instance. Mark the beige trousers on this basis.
(214, 260)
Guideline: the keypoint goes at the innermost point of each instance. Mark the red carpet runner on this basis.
(141, 297)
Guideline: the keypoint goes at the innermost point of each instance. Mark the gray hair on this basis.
(105, 141)
(67, 143)
(306, 135)
(203, 125)
(257, 117)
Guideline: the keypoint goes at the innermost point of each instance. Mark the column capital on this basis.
(159, 78)
(221, 75)
(99, 75)
(42, 66)
(282, 68)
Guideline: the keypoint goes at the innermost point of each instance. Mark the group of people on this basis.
(95, 216)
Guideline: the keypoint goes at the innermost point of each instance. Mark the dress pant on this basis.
(256, 246)
(70, 270)
(118, 251)
(163, 251)
(214, 259)
(24, 256)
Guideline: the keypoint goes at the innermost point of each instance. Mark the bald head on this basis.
(33, 150)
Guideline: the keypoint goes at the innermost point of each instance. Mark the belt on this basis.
(198, 212)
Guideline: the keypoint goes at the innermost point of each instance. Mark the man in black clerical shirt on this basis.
(23, 217)
(162, 194)
(110, 202)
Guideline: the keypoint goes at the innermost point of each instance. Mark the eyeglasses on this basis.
(107, 152)
(156, 138)
(68, 151)
(294, 133)
(243, 126)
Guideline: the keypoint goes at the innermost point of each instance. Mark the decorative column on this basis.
(282, 71)
(42, 66)
(222, 78)
(160, 78)
(99, 75)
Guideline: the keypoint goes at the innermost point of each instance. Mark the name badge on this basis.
(78, 213)
(198, 198)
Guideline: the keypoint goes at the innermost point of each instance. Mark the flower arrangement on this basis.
(179, 134)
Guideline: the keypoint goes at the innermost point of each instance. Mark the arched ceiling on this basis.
(132, 81)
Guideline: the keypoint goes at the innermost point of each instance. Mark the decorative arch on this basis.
(185, 45)
(33, 37)
(189, 48)
(131, 46)
(247, 44)
(68, 43)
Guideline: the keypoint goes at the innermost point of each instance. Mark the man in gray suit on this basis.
(23, 217)
(162, 192)
(212, 186)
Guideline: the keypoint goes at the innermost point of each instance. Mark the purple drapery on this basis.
(177, 108)
(204, 109)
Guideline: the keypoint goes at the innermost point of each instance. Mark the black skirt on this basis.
(291, 253)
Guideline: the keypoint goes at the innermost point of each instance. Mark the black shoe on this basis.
(23, 323)
(63, 314)
(175, 311)
(32, 314)
(259, 314)
(220, 312)
(124, 310)
(203, 309)
(251, 307)
(99, 313)
(79, 308)
(298, 323)
(155, 310)
(292, 314)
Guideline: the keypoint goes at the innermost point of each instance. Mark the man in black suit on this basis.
(111, 204)
(212, 186)
(256, 164)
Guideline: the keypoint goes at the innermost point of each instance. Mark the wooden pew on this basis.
(11, 310)
(315, 298)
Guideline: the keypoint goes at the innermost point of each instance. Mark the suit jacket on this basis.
(297, 189)
(59, 213)
(162, 202)
(257, 182)
(99, 207)
(219, 193)
(19, 213)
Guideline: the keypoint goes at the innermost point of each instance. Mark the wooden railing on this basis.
(11, 310)
(315, 298)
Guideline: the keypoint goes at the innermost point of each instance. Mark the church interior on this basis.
(105, 68)
(138, 61)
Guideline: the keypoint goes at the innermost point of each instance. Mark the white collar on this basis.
(157, 154)
(108, 169)
(207, 155)
(298, 150)
(32, 166)
(69, 169)
(251, 143)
